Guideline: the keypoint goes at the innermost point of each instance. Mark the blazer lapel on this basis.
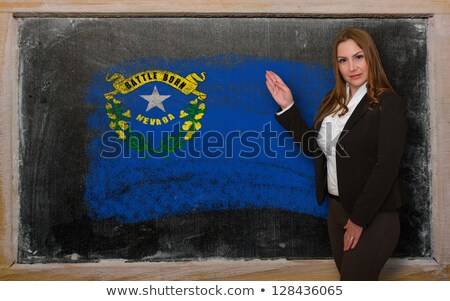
(359, 111)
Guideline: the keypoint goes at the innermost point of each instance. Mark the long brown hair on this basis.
(377, 83)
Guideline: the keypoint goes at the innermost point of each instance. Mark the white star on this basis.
(155, 100)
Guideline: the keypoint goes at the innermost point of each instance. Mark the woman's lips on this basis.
(355, 76)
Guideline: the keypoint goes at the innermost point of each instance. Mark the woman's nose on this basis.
(351, 66)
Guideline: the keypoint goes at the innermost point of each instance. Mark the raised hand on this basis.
(280, 92)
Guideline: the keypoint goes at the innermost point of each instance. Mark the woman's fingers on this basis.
(280, 92)
(270, 75)
(347, 241)
(273, 78)
(270, 85)
(350, 241)
(352, 235)
(355, 241)
(277, 78)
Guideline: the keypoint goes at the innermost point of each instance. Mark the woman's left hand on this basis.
(352, 235)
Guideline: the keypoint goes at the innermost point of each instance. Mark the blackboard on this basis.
(87, 195)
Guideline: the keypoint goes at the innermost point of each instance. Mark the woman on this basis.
(357, 142)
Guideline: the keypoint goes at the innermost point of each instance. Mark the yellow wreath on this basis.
(191, 114)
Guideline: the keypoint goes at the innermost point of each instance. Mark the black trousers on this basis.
(376, 245)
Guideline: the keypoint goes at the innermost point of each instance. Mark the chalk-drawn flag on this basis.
(174, 137)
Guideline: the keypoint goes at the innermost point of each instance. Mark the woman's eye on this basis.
(359, 57)
(340, 61)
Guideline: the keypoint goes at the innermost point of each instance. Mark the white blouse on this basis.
(329, 133)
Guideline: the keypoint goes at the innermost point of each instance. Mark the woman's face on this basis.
(352, 64)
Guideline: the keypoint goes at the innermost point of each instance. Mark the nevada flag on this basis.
(176, 136)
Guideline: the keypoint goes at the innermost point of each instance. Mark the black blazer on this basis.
(368, 156)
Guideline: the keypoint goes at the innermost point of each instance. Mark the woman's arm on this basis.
(390, 147)
(291, 118)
